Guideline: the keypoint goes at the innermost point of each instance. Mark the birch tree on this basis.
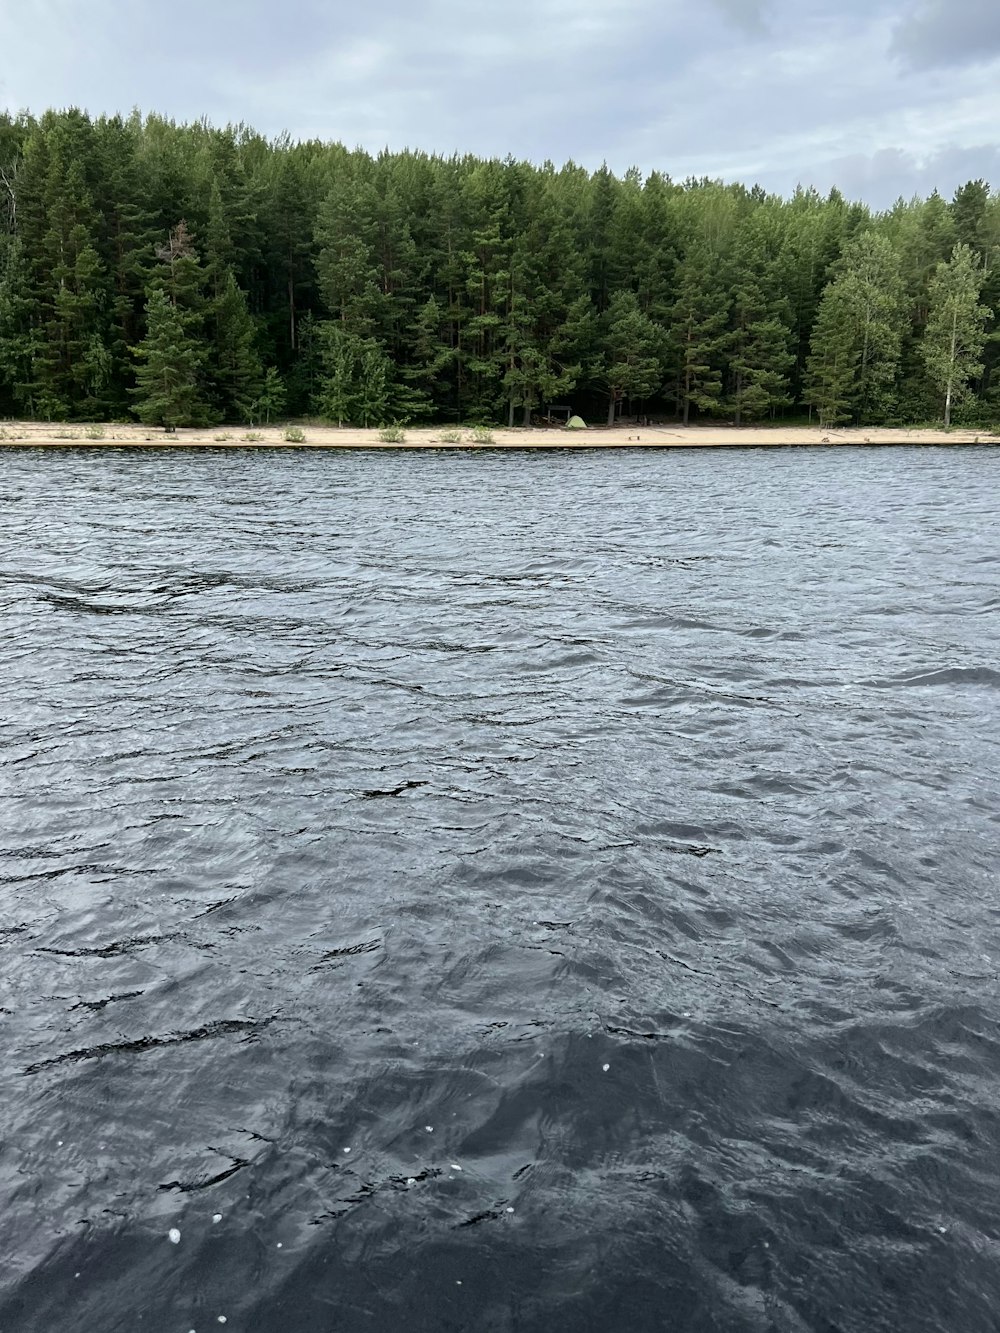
(956, 327)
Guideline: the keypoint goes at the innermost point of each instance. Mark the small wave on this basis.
(223, 1028)
(975, 676)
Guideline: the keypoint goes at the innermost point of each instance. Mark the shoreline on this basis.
(49, 435)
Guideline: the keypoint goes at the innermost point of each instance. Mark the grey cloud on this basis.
(943, 33)
(673, 85)
(747, 14)
(539, 79)
(893, 173)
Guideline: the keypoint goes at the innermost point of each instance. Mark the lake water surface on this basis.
(499, 891)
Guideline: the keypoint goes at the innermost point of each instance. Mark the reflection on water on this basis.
(500, 892)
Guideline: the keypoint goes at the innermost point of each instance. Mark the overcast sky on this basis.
(880, 97)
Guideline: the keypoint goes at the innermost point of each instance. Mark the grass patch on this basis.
(451, 436)
(253, 437)
(94, 431)
(392, 434)
(221, 439)
(293, 435)
(481, 435)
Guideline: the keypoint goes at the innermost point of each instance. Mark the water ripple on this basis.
(500, 892)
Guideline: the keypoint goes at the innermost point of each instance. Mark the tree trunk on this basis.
(951, 369)
(611, 411)
(510, 414)
(526, 423)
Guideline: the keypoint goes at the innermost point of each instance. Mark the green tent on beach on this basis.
(576, 423)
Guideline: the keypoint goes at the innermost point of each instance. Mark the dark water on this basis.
(500, 892)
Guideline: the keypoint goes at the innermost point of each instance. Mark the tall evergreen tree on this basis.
(68, 368)
(856, 344)
(760, 356)
(345, 262)
(698, 336)
(19, 335)
(486, 261)
(356, 382)
(168, 389)
(234, 362)
(833, 363)
(129, 235)
(631, 367)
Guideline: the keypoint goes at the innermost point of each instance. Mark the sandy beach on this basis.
(34, 434)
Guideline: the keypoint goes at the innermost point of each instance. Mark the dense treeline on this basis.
(187, 274)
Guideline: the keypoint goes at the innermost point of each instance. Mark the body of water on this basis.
(498, 891)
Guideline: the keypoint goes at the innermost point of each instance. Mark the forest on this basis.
(191, 275)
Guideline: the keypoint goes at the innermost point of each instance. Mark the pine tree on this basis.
(356, 383)
(345, 263)
(446, 240)
(19, 338)
(969, 216)
(397, 263)
(833, 362)
(760, 356)
(549, 328)
(234, 363)
(127, 245)
(167, 391)
(271, 398)
(698, 335)
(433, 356)
(287, 222)
(181, 277)
(811, 244)
(631, 366)
(486, 262)
(856, 344)
(69, 290)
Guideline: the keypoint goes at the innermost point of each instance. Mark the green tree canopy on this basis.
(167, 390)
(467, 288)
(856, 342)
(956, 327)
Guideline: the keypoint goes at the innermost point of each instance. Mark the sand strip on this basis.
(36, 434)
